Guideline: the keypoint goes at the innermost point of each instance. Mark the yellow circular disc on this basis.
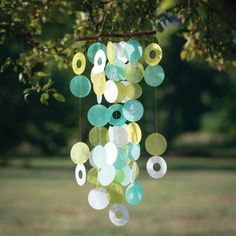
(134, 91)
(79, 153)
(92, 176)
(134, 72)
(155, 144)
(121, 92)
(78, 57)
(134, 133)
(111, 52)
(98, 135)
(156, 50)
(99, 83)
(116, 193)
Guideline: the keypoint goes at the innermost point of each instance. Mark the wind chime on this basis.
(115, 136)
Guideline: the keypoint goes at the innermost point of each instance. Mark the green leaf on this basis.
(166, 5)
(44, 98)
(59, 97)
(41, 74)
(5, 65)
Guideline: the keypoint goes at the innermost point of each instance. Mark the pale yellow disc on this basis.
(156, 50)
(78, 57)
(98, 135)
(79, 153)
(134, 133)
(111, 52)
(92, 176)
(134, 91)
(155, 144)
(121, 92)
(99, 83)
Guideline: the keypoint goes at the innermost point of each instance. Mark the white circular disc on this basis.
(112, 152)
(80, 169)
(106, 175)
(120, 51)
(123, 210)
(99, 99)
(98, 198)
(163, 167)
(118, 135)
(99, 56)
(111, 91)
(127, 179)
(99, 156)
(133, 172)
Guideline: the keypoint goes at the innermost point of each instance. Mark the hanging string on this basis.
(155, 109)
(80, 121)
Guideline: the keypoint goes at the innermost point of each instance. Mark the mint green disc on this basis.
(133, 151)
(134, 194)
(134, 72)
(120, 176)
(121, 159)
(133, 50)
(115, 71)
(133, 110)
(92, 50)
(154, 75)
(98, 115)
(127, 171)
(115, 115)
(80, 86)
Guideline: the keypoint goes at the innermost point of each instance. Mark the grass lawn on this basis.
(196, 197)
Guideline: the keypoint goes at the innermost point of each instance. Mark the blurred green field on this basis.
(197, 197)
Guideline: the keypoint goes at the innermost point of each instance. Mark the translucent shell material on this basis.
(92, 50)
(133, 50)
(78, 57)
(154, 75)
(111, 52)
(134, 72)
(79, 153)
(133, 110)
(121, 221)
(150, 167)
(115, 114)
(98, 135)
(80, 174)
(156, 50)
(98, 115)
(134, 194)
(80, 86)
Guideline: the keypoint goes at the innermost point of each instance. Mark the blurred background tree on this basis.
(39, 38)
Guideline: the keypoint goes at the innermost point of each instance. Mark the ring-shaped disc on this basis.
(79, 56)
(92, 50)
(111, 52)
(98, 135)
(134, 194)
(99, 62)
(79, 153)
(80, 86)
(150, 164)
(134, 91)
(152, 47)
(113, 109)
(154, 75)
(98, 198)
(155, 144)
(134, 72)
(133, 110)
(80, 168)
(123, 219)
(98, 115)
(134, 133)
(133, 50)
(115, 71)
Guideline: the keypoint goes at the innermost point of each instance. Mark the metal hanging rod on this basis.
(114, 35)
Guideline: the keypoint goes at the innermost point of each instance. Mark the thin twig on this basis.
(113, 35)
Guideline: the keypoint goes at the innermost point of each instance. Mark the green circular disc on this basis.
(115, 114)
(92, 50)
(154, 75)
(116, 193)
(92, 176)
(98, 115)
(134, 72)
(120, 176)
(98, 136)
(115, 71)
(79, 153)
(133, 50)
(155, 144)
(134, 91)
(121, 92)
(133, 110)
(80, 86)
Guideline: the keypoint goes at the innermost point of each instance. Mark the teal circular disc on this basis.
(133, 151)
(133, 50)
(134, 194)
(80, 86)
(115, 71)
(92, 50)
(122, 159)
(98, 115)
(133, 110)
(115, 115)
(154, 75)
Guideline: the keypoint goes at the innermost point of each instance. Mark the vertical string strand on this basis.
(155, 110)
(80, 121)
